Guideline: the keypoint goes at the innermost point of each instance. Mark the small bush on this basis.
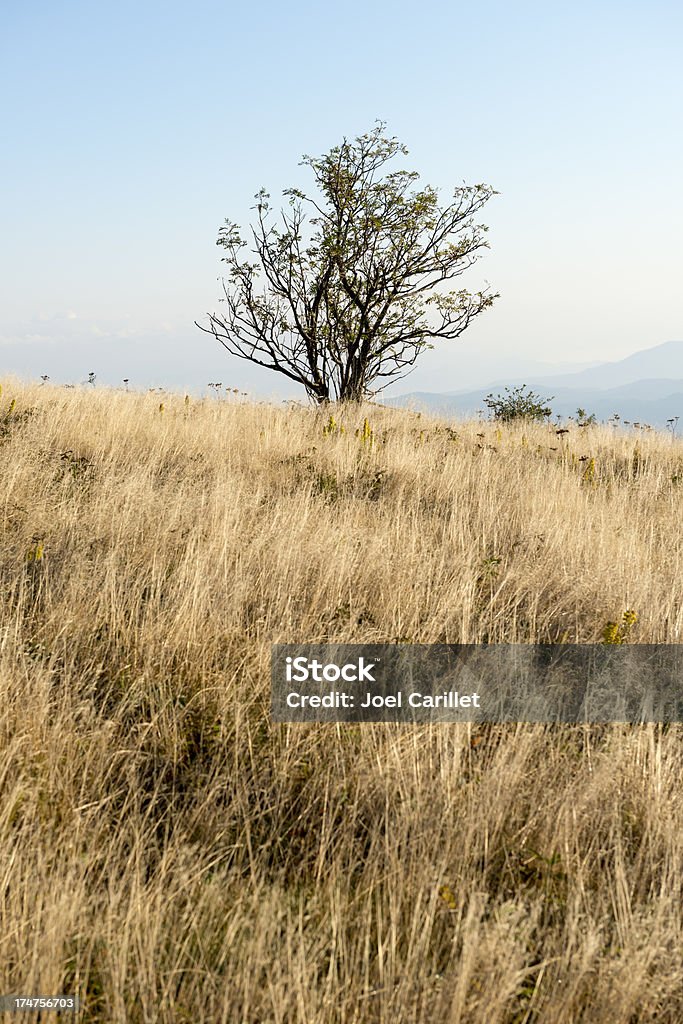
(518, 404)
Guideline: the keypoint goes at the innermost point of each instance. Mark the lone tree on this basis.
(345, 293)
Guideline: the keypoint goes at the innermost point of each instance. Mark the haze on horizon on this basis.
(133, 131)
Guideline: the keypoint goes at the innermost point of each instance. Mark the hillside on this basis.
(646, 387)
(651, 402)
(660, 361)
(172, 855)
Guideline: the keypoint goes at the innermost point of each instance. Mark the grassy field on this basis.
(171, 855)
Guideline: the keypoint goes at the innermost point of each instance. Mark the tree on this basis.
(345, 291)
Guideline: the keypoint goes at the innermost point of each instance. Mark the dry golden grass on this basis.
(172, 856)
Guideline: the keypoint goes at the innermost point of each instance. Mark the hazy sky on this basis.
(131, 130)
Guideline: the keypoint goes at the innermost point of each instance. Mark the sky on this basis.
(131, 131)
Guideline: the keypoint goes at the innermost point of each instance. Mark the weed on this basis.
(333, 428)
(448, 896)
(13, 419)
(618, 632)
(327, 485)
(79, 467)
(366, 435)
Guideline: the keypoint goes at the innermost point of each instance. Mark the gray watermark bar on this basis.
(477, 683)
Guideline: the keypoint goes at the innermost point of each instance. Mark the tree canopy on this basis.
(347, 288)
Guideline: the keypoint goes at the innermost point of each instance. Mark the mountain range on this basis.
(646, 387)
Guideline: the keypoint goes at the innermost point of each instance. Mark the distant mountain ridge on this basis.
(661, 362)
(646, 386)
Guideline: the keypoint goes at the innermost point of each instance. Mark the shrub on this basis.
(518, 403)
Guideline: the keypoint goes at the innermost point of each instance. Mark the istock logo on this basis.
(300, 670)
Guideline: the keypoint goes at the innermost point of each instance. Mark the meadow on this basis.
(171, 855)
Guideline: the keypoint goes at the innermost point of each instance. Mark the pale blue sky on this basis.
(131, 130)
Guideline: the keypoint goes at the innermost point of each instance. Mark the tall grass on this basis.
(171, 855)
